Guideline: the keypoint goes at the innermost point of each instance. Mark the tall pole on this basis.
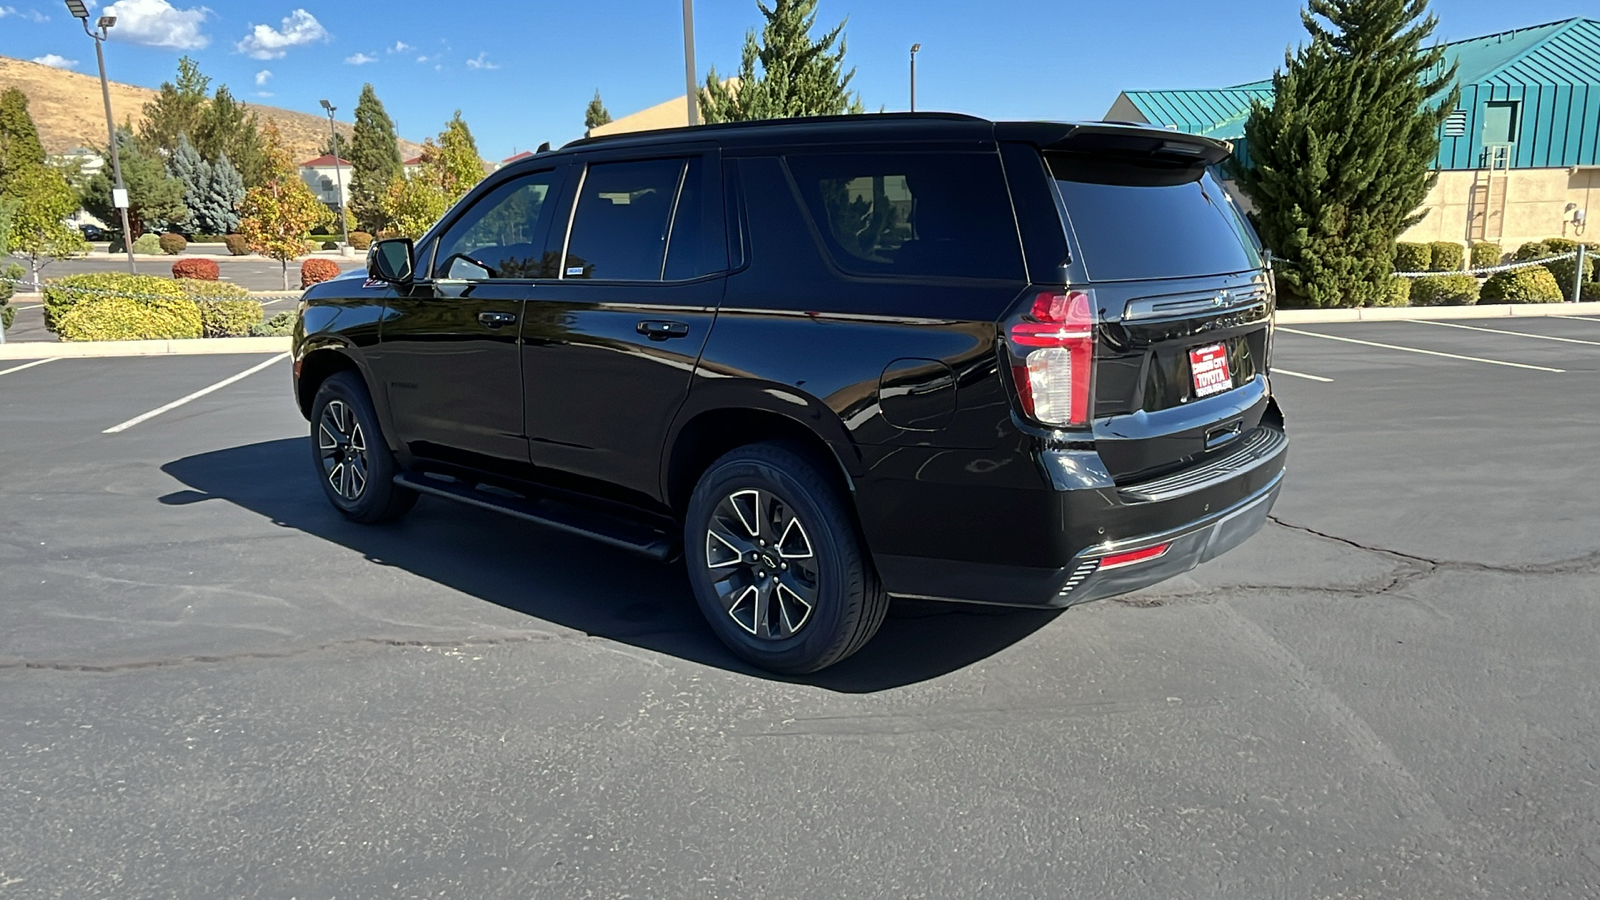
(338, 175)
(693, 95)
(914, 49)
(119, 196)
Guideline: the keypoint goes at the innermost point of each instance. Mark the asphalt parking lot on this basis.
(214, 686)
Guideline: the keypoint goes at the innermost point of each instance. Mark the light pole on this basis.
(692, 97)
(119, 193)
(338, 173)
(914, 49)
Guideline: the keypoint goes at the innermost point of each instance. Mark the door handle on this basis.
(661, 329)
(497, 319)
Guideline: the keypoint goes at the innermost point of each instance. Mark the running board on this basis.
(600, 527)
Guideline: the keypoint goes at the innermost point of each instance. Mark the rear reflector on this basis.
(1134, 557)
(1055, 343)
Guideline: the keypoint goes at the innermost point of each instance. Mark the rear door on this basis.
(611, 342)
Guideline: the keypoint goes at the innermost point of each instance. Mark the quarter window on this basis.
(500, 237)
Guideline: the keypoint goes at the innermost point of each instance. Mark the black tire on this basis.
(809, 612)
(351, 458)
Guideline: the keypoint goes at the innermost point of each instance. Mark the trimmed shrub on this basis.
(1399, 292)
(388, 233)
(9, 272)
(1564, 270)
(199, 269)
(112, 318)
(229, 318)
(330, 245)
(64, 293)
(236, 245)
(212, 290)
(147, 244)
(280, 325)
(1534, 284)
(1444, 290)
(1447, 256)
(360, 240)
(1412, 257)
(316, 271)
(1530, 251)
(1591, 292)
(206, 238)
(172, 244)
(1485, 254)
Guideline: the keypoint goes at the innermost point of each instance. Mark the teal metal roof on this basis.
(1217, 113)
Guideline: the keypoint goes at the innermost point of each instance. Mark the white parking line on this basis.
(1492, 362)
(30, 306)
(1537, 337)
(194, 396)
(37, 362)
(1277, 371)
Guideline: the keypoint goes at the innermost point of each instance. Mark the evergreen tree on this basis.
(19, 137)
(597, 114)
(220, 213)
(1340, 161)
(190, 169)
(178, 109)
(374, 160)
(338, 145)
(798, 76)
(228, 128)
(459, 166)
(155, 199)
(450, 168)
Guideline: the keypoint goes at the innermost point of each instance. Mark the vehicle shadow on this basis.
(575, 583)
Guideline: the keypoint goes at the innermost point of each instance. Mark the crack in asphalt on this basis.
(1575, 565)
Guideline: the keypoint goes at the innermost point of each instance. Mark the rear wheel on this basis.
(353, 462)
(776, 562)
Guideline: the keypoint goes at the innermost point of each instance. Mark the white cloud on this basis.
(157, 23)
(264, 94)
(7, 11)
(32, 15)
(55, 62)
(481, 61)
(360, 59)
(263, 76)
(265, 42)
(423, 59)
(400, 47)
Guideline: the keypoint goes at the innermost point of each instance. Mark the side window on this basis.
(623, 221)
(500, 237)
(916, 214)
(697, 244)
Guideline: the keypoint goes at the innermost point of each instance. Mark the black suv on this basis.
(829, 361)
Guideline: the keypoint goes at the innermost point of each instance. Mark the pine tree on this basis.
(798, 76)
(190, 169)
(155, 199)
(229, 128)
(19, 137)
(276, 215)
(597, 114)
(178, 109)
(374, 160)
(1340, 161)
(223, 196)
(337, 145)
(450, 167)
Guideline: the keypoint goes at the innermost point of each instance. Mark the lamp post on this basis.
(338, 173)
(914, 49)
(119, 193)
(693, 95)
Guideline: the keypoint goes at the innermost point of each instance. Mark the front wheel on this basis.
(353, 462)
(776, 562)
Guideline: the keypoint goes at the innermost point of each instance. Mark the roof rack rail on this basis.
(772, 123)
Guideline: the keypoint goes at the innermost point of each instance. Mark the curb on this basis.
(102, 349)
(1426, 313)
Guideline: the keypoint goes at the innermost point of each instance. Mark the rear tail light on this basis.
(1134, 557)
(1053, 358)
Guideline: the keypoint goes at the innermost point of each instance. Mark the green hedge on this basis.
(148, 244)
(1447, 256)
(127, 319)
(1412, 257)
(1591, 291)
(280, 325)
(9, 272)
(1399, 292)
(1485, 254)
(172, 243)
(1444, 290)
(229, 318)
(1531, 285)
(360, 240)
(62, 294)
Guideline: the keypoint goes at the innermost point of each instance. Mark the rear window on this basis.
(1136, 221)
(912, 214)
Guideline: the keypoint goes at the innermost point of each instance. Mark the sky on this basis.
(523, 73)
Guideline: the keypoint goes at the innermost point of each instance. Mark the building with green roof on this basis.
(1519, 157)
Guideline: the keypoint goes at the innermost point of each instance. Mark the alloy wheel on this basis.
(763, 565)
(342, 446)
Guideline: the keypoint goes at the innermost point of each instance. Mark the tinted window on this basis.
(501, 236)
(918, 214)
(620, 228)
(1151, 221)
(695, 245)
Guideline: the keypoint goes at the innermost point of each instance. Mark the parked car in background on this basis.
(828, 361)
(93, 232)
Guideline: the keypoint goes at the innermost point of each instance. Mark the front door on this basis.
(449, 356)
(611, 343)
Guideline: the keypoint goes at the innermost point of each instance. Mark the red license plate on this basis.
(1209, 365)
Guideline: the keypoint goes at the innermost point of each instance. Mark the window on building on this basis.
(1500, 121)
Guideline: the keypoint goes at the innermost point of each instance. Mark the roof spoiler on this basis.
(1118, 140)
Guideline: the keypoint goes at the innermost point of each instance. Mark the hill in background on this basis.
(69, 111)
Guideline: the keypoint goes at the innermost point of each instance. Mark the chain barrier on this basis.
(1490, 270)
(103, 292)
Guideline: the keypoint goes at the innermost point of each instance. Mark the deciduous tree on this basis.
(276, 215)
(798, 76)
(39, 233)
(449, 169)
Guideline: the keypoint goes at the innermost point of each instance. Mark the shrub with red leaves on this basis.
(200, 269)
(317, 270)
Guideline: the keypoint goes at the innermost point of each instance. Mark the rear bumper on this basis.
(1195, 522)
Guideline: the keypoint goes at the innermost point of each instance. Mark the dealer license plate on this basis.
(1209, 365)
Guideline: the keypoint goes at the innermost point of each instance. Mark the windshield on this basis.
(1134, 220)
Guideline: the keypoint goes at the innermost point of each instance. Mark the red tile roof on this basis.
(511, 159)
(325, 159)
(413, 161)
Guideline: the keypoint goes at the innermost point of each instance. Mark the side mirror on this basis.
(391, 260)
